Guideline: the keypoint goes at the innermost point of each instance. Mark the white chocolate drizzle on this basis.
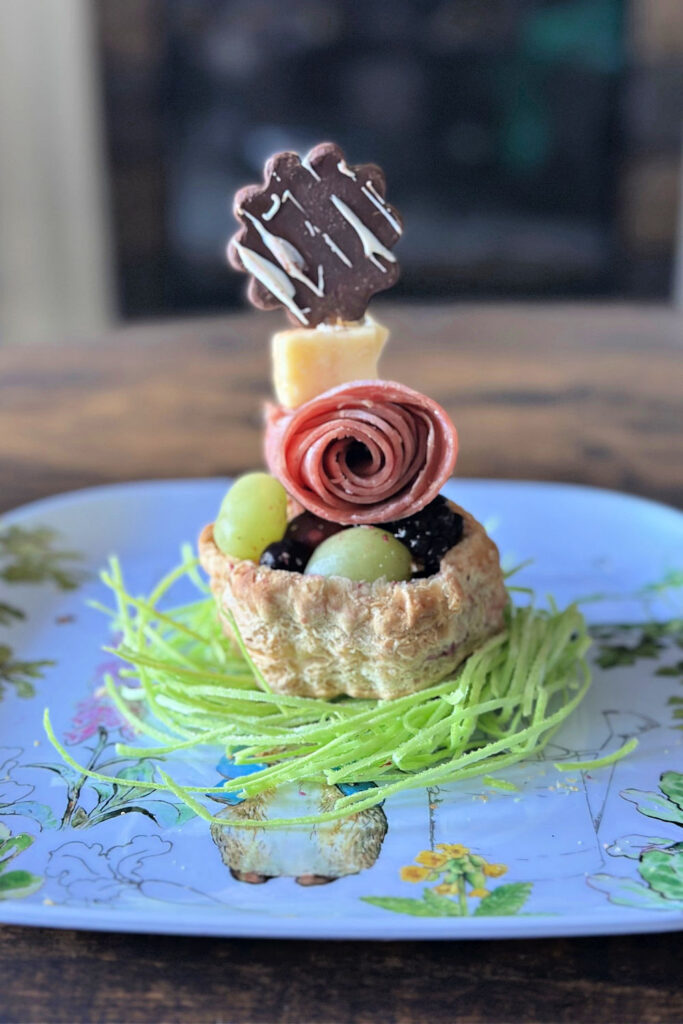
(278, 201)
(344, 168)
(287, 255)
(272, 278)
(287, 195)
(375, 198)
(274, 208)
(305, 162)
(336, 250)
(372, 247)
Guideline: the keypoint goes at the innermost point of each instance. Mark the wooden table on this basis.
(587, 394)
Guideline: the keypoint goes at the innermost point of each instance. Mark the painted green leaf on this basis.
(614, 655)
(9, 614)
(505, 900)
(663, 871)
(19, 674)
(626, 892)
(404, 905)
(440, 905)
(14, 885)
(80, 818)
(162, 812)
(69, 774)
(169, 815)
(142, 771)
(30, 556)
(9, 848)
(104, 790)
(647, 646)
(632, 846)
(671, 784)
(654, 805)
(672, 580)
(671, 670)
(476, 878)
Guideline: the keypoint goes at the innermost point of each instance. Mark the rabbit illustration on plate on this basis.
(311, 854)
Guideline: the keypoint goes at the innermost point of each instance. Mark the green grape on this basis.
(253, 515)
(363, 553)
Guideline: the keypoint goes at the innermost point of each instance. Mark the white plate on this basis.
(581, 853)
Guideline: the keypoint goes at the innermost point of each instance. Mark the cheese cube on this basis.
(308, 361)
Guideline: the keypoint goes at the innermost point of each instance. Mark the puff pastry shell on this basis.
(317, 636)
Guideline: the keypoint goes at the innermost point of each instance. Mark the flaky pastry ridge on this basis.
(317, 636)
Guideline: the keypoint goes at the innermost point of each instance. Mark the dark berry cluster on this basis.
(429, 534)
(301, 538)
(285, 554)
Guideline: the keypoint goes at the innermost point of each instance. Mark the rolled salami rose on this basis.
(366, 452)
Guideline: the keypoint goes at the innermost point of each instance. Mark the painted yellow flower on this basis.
(411, 873)
(452, 849)
(479, 893)
(430, 859)
(445, 889)
(494, 870)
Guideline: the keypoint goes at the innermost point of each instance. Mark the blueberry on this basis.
(285, 554)
(309, 530)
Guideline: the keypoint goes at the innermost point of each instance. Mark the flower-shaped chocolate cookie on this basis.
(316, 237)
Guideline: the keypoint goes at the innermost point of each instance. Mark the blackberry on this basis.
(429, 534)
(285, 554)
(309, 530)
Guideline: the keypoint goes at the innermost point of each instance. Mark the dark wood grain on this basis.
(583, 394)
(85, 976)
(578, 394)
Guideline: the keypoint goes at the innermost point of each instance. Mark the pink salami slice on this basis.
(366, 452)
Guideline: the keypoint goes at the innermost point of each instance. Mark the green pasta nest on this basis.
(187, 686)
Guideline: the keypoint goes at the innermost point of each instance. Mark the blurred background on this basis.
(533, 146)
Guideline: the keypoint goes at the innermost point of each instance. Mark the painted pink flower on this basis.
(97, 710)
(92, 713)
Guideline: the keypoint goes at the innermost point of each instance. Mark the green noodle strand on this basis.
(598, 762)
(197, 688)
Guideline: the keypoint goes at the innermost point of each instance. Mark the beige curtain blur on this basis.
(55, 262)
(678, 262)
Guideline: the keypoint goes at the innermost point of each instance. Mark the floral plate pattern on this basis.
(533, 851)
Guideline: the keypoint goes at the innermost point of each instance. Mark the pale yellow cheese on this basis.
(308, 361)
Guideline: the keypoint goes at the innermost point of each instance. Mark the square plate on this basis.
(554, 854)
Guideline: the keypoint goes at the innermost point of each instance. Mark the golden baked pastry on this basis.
(322, 636)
